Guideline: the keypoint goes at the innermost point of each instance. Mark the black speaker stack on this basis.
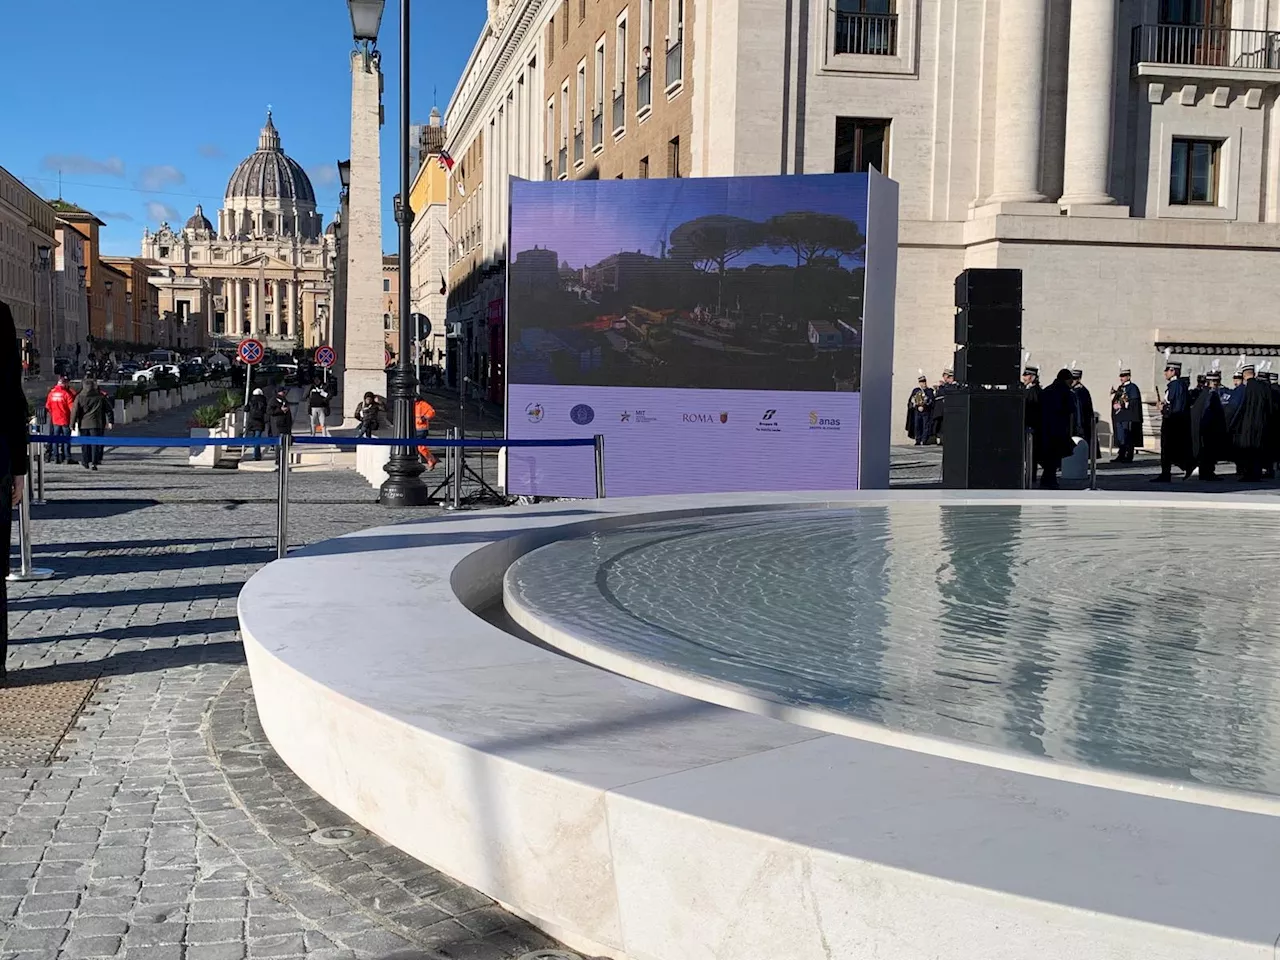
(983, 425)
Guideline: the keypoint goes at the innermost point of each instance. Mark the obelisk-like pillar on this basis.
(364, 349)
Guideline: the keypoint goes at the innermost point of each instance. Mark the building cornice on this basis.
(514, 32)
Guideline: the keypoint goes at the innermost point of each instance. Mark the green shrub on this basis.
(208, 416)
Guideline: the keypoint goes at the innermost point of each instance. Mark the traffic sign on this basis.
(387, 358)
(422, 323)
(326, 357)
(251, 351)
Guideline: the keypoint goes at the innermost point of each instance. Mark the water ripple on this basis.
(1140, 640)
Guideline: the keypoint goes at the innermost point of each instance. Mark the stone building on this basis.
(1122, 154)
(144, 323)
(26, 275)
(391, 300)
(429, 198)
(265, 270)
(71, 304)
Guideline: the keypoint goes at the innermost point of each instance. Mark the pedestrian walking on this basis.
(13, 454)
(423, 414)
(58, 404)
(371, 411)
(280, 416)
(255, 419)
(92, 415)
(318, 409)
(1175, 425)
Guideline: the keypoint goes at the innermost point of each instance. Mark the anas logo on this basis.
(535, 412)
(769, 423)
(582, 414)
(817, 422)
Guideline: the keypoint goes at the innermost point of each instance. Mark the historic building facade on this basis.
(26, 275)
(1122, 154)
(265, 270)
(428, 270)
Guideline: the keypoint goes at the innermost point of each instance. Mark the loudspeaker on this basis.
(988, 366)
(983, 440)
(989, 287)
(989, 326)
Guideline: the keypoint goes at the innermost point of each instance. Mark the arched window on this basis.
(386, 321)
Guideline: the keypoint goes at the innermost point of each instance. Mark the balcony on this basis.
(1204, 51)
(644, 90)
(577, 147)
(675, 63)
(597, 128)
(867, 34)
(562, 168)
(620, 110)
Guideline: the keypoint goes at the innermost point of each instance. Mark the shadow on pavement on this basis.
(128, 598)
(150, 631)
(129, 662)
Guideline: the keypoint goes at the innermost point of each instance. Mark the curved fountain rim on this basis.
(747, 700)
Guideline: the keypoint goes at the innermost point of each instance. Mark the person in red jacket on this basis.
(58, 403)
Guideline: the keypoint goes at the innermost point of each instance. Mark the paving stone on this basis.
(83, 947)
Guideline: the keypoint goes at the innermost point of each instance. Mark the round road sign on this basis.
(326, 357)
(251, 351)
(387, 358)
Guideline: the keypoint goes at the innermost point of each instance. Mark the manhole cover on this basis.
(255, 749)
(333, 836)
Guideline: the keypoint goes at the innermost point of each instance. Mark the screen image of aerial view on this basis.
(744, 283)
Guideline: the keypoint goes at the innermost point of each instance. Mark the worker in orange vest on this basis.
(423, 412)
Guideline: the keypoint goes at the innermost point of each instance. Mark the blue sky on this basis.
(132, 101)
(587, 220)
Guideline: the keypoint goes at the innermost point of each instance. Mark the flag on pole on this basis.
(446, 161)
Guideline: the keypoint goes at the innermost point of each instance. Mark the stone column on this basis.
(1020, 82)
(363, 346)
(277, 308)
(237, 308)
(255, 308)
(290, 308)
(1090, 95)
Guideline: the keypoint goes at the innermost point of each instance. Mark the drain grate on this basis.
(335, 836)
(34, 718)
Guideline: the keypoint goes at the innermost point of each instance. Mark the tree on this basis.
(715, 241)
(810, 234)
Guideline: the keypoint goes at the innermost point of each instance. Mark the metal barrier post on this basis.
(457, 472)
(1028, 467)
(37, 467)
(26, 571)
(1093, 454)
(600, 494)
(282, 498)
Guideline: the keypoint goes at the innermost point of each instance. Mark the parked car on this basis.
(144, 376)
(126, 370)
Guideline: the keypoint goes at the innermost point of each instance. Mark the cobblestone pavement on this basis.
(166, 829)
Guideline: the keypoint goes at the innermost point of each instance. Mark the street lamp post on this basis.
(46, 264)
(403, 486)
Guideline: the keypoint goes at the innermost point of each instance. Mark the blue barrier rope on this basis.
(437, 443)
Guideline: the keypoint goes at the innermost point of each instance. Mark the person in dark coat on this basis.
(920, 413)
(1057, 408)
(1208, 428)
(92, 413)
(1084, 409)
(280, 417)
(1273, 432)
(945, 386)
(1031, 413)
(1126, 417)
(1175, 426)
(255, 419)
(13, 454)
(1251, 424)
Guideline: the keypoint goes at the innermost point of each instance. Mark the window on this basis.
(597, 110)
(1195, 13)
(386, 321)
(564, 21)
(867, 27)
(861, 144)
(1193, 172)
(386, 284)
(164, 253)
(551, 41)
(643, 173)
(551, 129)
(582, 10)
(563, 168)
(620, 54)
(580, 95)
(673, 157)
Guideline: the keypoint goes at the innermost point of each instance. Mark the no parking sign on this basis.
(251, 351)
(326, 356)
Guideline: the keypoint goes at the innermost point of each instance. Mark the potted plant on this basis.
(206, 423)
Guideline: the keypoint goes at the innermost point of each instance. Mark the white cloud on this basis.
(159, 212)
(78, 164)
(159, 177)
(110, 215)
(210, 151)
(325, 175)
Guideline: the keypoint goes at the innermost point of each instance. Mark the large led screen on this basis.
(712, 330)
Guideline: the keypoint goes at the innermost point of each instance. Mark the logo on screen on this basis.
(724, 417)
(768, 415)
(626, 416)
(535, 412)
(817, 422)
(582, 414)
(769, 423)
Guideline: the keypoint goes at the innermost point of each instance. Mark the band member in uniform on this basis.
(1208, 427)
(1249, 429)
(1175, 425)
(1084, 409)
(1057, 418)
(1031, 414)
(1126, 417)
(945, 386)
(920, 412)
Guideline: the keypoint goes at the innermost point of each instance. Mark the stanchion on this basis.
(600, 466)
(37, 463)
(458, 461)
(1028, 465)
(282, 497)
(26, 571)
(1093, 455)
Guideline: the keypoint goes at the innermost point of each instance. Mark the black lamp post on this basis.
(403, 486)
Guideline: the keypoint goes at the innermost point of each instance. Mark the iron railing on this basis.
(675, 63)
(644, 90)
(577, 147)
(620, 108)
(563, 168)
(1206, 46)
(870, 34)
(597, 129)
